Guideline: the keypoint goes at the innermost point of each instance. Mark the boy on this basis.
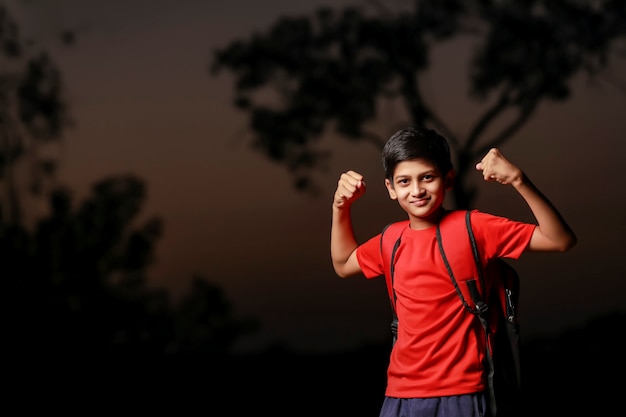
(435, 366)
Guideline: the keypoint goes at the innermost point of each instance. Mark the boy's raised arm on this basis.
(343, 243)
(552, 234)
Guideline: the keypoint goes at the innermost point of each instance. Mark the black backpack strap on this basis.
(482, 308)
(459, 253)
(392, 291)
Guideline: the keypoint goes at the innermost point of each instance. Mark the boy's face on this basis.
(420, 190)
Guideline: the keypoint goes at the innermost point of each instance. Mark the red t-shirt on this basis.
(439, 349)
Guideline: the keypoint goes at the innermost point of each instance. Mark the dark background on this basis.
(229, 299)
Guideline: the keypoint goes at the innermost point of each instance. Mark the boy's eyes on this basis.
(426, 177)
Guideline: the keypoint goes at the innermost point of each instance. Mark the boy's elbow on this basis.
(341, 274)
(344, 269)
(345, 263)
(572, 241)
(556, 242)
(341, 271)
(568, 243)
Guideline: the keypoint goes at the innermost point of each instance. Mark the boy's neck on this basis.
(417, 223)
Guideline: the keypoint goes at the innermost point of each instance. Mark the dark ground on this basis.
(580, 372)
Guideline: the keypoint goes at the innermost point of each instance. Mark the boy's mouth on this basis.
(420, 202)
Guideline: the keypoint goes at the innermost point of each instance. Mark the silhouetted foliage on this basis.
(33, 115)
(207, 304)
(333, 72)
(74, 273)
(78, 283)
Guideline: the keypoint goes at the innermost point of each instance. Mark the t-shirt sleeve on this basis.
(370, 257)
(500, 237)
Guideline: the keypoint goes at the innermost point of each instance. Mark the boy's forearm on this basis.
(549, 220)
(342, 239)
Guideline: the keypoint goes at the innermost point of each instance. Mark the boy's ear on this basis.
(390, 190)
(450, 179)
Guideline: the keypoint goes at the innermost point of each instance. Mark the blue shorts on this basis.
(467, 405)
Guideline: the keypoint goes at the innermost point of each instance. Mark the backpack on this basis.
(496, 308)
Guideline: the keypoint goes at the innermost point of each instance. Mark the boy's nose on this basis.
(416, 189)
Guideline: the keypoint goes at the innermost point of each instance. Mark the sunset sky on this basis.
(140, 92)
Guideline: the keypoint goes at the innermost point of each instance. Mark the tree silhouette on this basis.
(74, 272)
(80, 283)
(33, 115)
(333, 73)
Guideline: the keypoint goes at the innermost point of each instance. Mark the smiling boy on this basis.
(435, 366)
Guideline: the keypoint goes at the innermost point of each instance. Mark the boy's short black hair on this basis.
(413, 143)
